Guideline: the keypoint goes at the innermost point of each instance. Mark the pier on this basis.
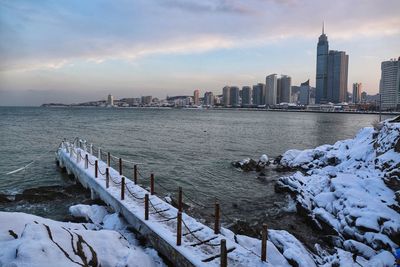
(173, 233)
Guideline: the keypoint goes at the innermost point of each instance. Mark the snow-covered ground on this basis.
(29, 240)
(349, 188)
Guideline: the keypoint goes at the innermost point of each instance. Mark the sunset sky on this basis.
(73, 50)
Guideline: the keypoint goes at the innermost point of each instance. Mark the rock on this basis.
(397, 146)
(333, 161)
(393, 182)
(247, 165)
(280, 168)
(277, 160)
(4, 199)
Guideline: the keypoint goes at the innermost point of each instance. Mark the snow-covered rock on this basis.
(28, 240)
(344, 187)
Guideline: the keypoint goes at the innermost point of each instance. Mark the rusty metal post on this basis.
(96, 168)
(146, 207)
(135, 174)
(264, 243)
(179, 229)
(120, 166)
(86, 161)
(108, 159)
(107, 178)
(224, 254)
(152, 184)
(122, 188)
(216, 223)
(180, 204)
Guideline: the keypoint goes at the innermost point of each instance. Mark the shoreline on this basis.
(389, 113)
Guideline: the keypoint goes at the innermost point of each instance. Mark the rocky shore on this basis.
(348, 191)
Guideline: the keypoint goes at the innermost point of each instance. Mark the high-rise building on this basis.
(322, 67)
(234, 98)
(356, 93)
(110, 100)
(332, 73)
(259, 94)
(146, 100)
(305, 90)
(246, 96)
(284, 90)
(196, 97)
(271, 85)
(337, 77)
(390, 84)
(226, 95)
(208, 99)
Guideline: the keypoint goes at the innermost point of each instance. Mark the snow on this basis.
(292, 248)
(344, 186)
(93, 213)
(264, 158)
(43, 242)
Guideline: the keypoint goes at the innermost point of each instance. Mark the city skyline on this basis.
(67, 52)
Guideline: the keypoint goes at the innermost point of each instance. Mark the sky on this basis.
(73, 51)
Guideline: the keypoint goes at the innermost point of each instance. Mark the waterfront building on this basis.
(363, 97)
(284, 89)
(196, 97)
(390, 84)
(234, 96)
(337, 77)
(246, 96)
(208, 99)
(146, 100)
(110, 100)
(331, 73)
(259, 94)
(356, 98)
(304, 96)
(226, 95)
(271, 85)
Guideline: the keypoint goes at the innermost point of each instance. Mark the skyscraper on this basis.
(357, 92)
(110, 100)
(332, 73)
(259, 94)
(246, 96)
(196, 97)
(226, 95)
(322, 67)
(284, 90)
(234, 96)
(390, 84)
(337, 77)
(305, 90)
(208, 99)
(271, 85)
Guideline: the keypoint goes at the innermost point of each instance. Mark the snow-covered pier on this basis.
(174, 234)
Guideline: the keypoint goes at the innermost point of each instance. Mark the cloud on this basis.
(52, 35)
(217, 6)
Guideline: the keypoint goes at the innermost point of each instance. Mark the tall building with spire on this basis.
(322, 67)
(332, 73)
